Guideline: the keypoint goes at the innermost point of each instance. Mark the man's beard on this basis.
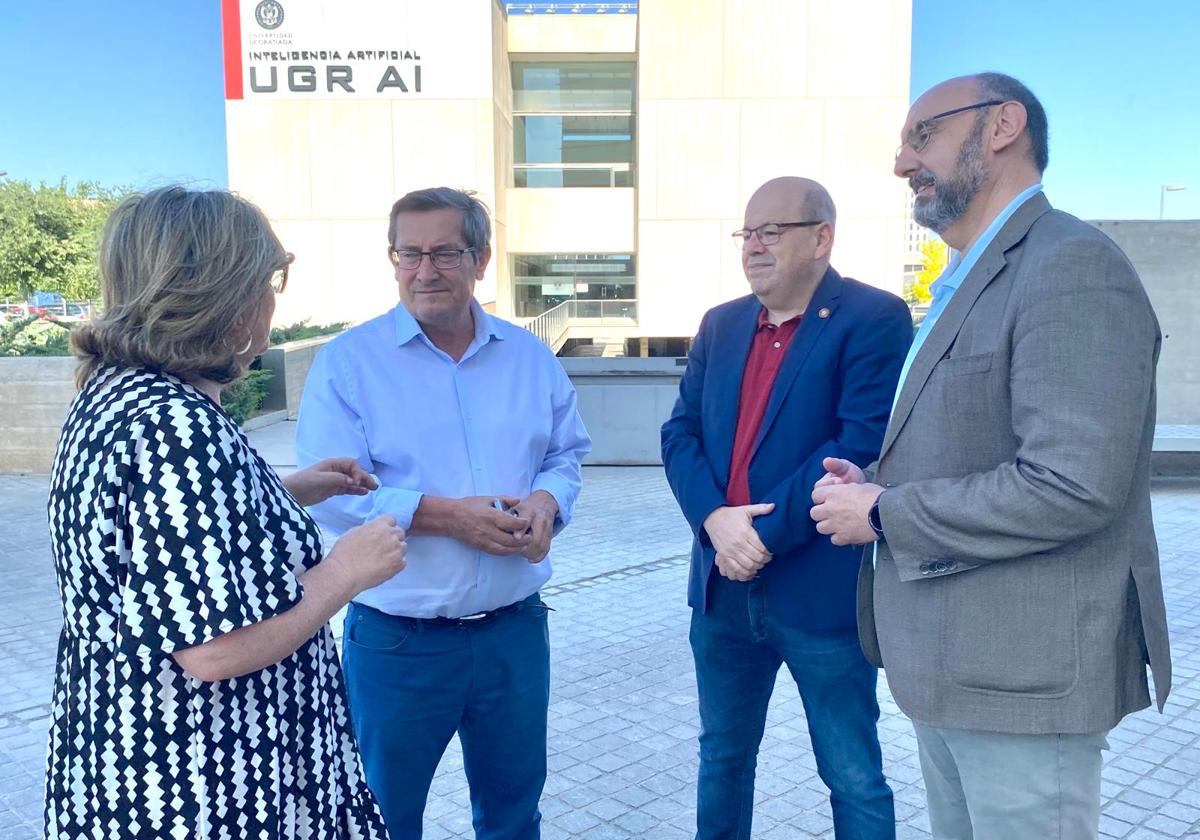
(952, 195)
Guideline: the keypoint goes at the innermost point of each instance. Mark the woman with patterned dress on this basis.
(198, 692)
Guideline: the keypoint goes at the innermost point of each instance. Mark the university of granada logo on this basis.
(269, 14)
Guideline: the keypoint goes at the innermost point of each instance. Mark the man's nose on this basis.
(906, 162)
(426, 270)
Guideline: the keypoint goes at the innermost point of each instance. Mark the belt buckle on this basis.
(474, 616)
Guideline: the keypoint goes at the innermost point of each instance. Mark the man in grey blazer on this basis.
(1011, 585)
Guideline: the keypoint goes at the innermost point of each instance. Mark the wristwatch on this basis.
(873, 517)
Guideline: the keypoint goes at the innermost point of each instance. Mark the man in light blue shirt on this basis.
(470, 425)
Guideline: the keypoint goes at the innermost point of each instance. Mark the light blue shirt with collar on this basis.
(502, 420)
(956, 271)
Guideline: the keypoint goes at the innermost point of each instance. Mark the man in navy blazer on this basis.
(802, 369)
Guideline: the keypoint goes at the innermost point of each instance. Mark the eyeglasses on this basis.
(279, 276)
(410, 258)
(921, 133)
(768, 234)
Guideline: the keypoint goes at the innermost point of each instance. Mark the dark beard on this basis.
(952, 196)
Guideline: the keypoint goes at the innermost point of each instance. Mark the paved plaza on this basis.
(623, 715)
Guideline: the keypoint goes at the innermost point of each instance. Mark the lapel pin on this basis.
(824, 312)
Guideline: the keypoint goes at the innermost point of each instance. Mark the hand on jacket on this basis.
(740, 552)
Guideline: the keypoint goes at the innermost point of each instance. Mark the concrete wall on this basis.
(623, 403)
(35, 393)
(1166, 255)
(289, 364)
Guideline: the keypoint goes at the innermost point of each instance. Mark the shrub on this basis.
(243, 397)
(302, 329)
(35, 337)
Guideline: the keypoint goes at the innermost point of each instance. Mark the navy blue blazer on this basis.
(832, 397)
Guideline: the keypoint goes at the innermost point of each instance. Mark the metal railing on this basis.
(12, 309)
(575, 174)
(612, 312)
(551, 325)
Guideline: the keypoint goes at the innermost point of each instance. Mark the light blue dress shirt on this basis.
(500, 421)
(956, 271)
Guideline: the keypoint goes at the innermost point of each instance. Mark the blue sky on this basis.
(131, 92)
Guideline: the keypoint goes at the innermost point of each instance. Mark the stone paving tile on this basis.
(623, 717)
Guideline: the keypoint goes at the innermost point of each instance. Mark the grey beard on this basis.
(952, 196)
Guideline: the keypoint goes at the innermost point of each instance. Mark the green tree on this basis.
(49, 236)
(934, 255)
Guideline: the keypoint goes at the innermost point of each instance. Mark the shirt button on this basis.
(777, 345)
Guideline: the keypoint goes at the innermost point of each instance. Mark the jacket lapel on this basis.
(727, 363)
(825, 300)
(946, 330)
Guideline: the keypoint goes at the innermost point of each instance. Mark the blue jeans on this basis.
(413, 684)
(738, 646)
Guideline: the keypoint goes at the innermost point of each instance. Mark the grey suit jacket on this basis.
(1018, 589)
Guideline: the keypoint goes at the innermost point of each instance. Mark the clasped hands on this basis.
(740, 552)
(842, 501)
(524, 531)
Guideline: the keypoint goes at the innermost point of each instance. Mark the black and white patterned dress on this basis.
(167, 531)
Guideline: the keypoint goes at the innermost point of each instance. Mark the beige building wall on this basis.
(584, 220)
(730, 93)
(572, 34)
(326, 170)
(733, 92)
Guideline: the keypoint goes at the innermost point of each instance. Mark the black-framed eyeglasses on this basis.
(768, 234)
(279, 276)
(921, 133)
(410, 258)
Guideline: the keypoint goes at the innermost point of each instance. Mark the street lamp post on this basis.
(1162, 195)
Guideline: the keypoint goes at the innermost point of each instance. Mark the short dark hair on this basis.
(1000, 86)
(476, 227)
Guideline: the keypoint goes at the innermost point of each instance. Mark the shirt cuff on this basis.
(396, 502)
(563, 494)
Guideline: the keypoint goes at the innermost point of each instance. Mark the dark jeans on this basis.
(738, 647)
(413, 684)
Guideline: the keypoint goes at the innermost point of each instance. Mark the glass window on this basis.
(543, 281)
(573, 86)
(573, 124)
(580, 150)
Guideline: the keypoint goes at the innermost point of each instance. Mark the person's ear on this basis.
(1008, 125)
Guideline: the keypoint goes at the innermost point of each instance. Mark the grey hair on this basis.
(179, 270)
(476, 226)
(818, 204)
(1000, 86)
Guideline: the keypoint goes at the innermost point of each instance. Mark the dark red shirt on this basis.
(767, 351)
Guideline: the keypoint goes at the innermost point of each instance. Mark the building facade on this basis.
(616, 143)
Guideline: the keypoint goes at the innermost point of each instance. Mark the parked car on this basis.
(70, 312)
(74, 312)
(14, 312)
